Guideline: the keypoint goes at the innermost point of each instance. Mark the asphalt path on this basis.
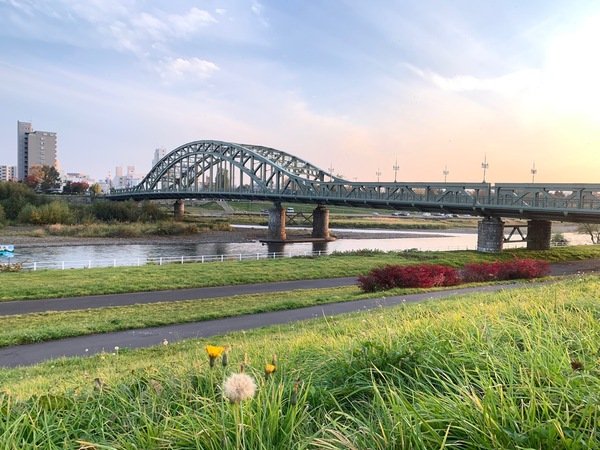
(175, 295)
(24, 355)
(102, 301)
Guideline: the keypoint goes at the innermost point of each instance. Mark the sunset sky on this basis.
(351, 84)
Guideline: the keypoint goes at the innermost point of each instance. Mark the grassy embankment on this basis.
(38, 327)
(69, 283)
(515, 369)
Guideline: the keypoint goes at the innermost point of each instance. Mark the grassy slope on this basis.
(29, 328)
(504, 370)
(53, 283)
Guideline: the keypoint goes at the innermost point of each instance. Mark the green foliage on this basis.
(128, 211)
(2, 216)
(50, 179)
(14, 197)
(108, 211)
(50, 213)
(151, 212)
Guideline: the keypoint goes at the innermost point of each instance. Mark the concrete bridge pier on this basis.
(539, 234)
(320, 228)
(178, 209)
(277, 223)
(490, 235)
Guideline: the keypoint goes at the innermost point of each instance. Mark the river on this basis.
(79, 256)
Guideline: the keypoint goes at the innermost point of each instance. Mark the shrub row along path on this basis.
(92, 344)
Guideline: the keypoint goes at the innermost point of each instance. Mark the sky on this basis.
(351, 85)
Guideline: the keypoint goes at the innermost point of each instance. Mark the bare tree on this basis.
(591, 229)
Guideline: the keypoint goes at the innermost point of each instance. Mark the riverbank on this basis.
(25, 237)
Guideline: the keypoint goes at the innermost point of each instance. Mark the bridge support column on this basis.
(320, 227)
(539, 234)
(178, 209)
(277, 223)
(490, 235)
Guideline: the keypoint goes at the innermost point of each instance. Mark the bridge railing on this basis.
(514, 196)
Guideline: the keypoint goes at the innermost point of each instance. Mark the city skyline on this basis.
(435, 87)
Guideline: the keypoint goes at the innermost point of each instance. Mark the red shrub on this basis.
(525, 269)
(431, 275)
(478, 272)
(506, 270)
(423, 276)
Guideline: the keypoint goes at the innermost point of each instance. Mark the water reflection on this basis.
(134, 254)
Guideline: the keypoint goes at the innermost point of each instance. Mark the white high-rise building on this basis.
(34, 148)
(159, 154)
(8, 173)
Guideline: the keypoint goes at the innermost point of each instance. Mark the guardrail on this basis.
(163, 260)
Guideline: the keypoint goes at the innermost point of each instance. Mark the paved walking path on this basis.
(103, 301)
(28, 354)
(92, 344)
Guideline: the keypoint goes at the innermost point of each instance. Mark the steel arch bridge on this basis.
(225, 170)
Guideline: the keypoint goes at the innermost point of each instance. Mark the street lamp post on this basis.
(484, 166)
(446, 173)
(396, 167)
(533, 172)
(378, 173)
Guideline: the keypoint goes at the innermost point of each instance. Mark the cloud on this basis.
(257, 9)
(504, 84)
(122, 25)
(181, 68)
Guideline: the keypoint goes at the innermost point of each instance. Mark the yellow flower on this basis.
(269, 369)
(214, 351)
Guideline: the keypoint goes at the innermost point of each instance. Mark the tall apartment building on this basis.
(8, 173)
(159, 154)
(34, 148)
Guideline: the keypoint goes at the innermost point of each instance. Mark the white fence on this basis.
(160, 261)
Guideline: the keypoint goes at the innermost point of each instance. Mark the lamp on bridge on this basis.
(378, 173)
(533, 172)
(446, 172)
(396, 167)
(484, 166)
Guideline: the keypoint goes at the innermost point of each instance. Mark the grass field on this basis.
(515, 369)
(29, 328)
(53, 283)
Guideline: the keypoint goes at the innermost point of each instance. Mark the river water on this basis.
(135, 254)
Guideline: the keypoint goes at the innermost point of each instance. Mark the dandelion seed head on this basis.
(239, 387)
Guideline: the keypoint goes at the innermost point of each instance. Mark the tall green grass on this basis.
(516, 369)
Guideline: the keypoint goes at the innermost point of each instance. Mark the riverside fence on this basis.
(160, 261)
(165, 260)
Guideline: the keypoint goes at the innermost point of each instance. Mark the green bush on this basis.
(54, 212)
(15, 196)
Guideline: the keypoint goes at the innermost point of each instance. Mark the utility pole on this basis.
(484, 166)
(446, 173)
(533, 172)
(396, 167)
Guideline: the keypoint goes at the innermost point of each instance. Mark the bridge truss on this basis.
(223, 170)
